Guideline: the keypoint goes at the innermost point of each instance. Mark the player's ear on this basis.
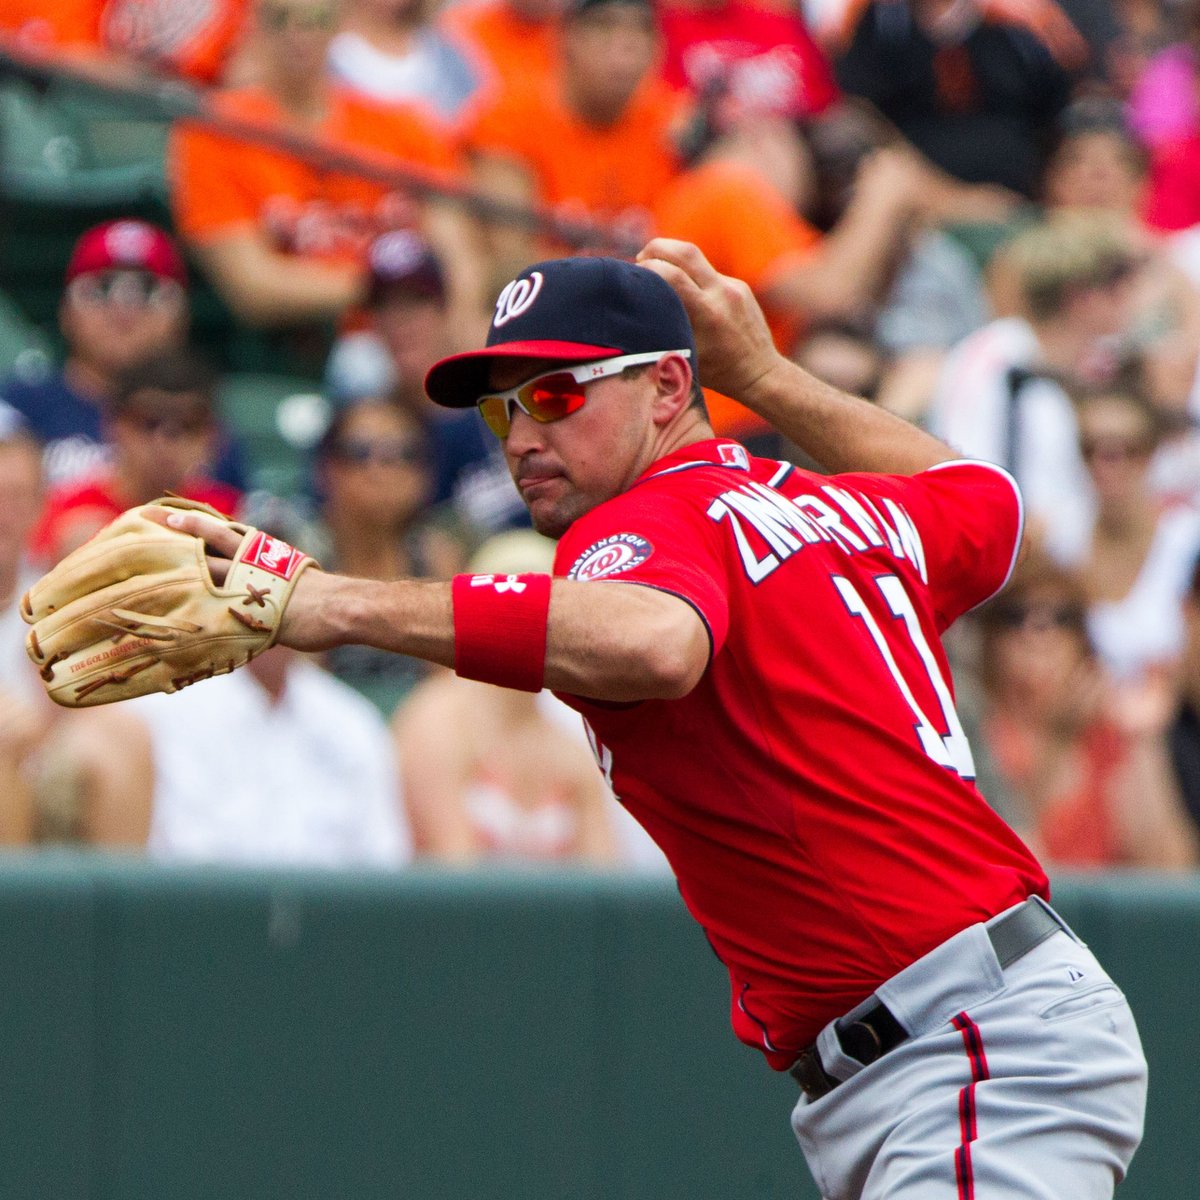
(673, 383)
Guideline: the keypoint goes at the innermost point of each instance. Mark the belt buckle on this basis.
(812, 1077)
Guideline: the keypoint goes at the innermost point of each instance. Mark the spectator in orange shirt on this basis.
(63, 24)
(505, 40)
(193, 40)
(742, 203)
(593, 141)
(178, 38)
(283, 238)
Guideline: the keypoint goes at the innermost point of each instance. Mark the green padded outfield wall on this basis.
(196, 1035)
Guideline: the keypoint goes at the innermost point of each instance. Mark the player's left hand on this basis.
(165, 595)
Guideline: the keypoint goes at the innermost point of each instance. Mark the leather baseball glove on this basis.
(136, 610)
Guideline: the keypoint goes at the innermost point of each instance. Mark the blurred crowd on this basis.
(983, 215)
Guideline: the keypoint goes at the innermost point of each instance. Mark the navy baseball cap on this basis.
(570, 310)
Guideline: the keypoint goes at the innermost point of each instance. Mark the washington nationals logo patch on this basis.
(611, 556)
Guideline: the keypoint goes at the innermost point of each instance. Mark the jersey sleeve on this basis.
(658, 538)
(962, 521)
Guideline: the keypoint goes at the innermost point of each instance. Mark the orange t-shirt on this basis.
(504, 47)
(61, 23)
(748, 230)
(193, 40)
(613, 173)
(1076, 827)
(222, 183)
(190, 39)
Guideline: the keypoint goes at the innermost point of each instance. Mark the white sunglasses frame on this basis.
(587, 372)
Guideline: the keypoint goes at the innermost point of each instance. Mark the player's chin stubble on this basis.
(553, 523)
(552, 517)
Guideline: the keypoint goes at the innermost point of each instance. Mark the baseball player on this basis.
(755, 651)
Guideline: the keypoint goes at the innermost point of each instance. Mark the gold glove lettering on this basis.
(122, 651)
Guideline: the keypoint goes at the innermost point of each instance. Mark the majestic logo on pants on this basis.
(611, 556)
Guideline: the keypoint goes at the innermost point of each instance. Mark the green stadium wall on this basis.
(187, 1034)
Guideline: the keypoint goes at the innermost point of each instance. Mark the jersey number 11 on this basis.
(949, 749)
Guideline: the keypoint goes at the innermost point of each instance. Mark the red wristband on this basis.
(500, 629)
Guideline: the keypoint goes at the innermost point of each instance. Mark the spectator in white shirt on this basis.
(1001, 397)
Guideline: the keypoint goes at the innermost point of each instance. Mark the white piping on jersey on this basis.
(687, 466)
(707, 462)
(978, 462)
(785, 469)
(766, 1040)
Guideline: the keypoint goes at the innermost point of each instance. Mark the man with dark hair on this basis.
(409, 327)
(593, 140)
(756, 652)
(160, 426)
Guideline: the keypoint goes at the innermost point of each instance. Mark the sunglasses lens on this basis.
(494, 410)
(552, 397)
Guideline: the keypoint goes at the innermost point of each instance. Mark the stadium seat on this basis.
(23, 347)
(60, 145)
(277, 419)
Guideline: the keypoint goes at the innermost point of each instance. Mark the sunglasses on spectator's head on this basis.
(558, 393)
(277, 17)
(1038, 615)
(131, 289)
(388, 452)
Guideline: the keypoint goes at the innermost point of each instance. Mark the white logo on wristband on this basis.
(516, 298)
(502, 583)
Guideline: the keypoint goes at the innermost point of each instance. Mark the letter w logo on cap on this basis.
(516, 298)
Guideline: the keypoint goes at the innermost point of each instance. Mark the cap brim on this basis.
(459, 380)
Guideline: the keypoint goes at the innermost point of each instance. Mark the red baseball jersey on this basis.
(814, 793)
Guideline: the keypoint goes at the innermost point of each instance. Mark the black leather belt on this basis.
(871, 1035)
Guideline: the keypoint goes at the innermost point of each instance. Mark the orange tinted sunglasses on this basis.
(558, 393)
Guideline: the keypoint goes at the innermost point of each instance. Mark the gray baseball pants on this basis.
(1026, 1082)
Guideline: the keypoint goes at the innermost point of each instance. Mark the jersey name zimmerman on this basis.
(852, 521)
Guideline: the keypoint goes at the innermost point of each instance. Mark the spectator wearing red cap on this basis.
(125, 299)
